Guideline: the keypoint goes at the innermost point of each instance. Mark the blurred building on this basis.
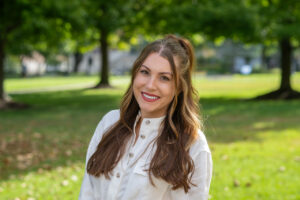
(229, 57)
(120, 62)
(33, 65)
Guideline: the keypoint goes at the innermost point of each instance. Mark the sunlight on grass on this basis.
(263, 170)
(238, 86)
(17, 84)
(51, 184)
(33, 83)
(263, 125)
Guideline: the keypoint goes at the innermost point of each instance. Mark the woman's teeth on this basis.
(150, 97)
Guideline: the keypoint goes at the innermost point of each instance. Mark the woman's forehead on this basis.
(156, 62)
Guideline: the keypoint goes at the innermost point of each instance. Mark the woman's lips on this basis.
(149, 97)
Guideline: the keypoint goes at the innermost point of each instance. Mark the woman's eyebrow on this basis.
(170, 73)
(146, 67)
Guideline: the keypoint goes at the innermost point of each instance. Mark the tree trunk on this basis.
(5, 101)
(285, 90)
(285, 64)
(2, 56)
(78, 58)
(104, 73)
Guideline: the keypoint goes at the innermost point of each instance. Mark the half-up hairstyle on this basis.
(171, 160)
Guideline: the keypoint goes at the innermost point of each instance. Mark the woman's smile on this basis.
(149, 97)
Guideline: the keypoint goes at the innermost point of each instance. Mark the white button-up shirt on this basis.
(130, 180)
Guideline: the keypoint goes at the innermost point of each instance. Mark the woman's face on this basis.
(154, 86)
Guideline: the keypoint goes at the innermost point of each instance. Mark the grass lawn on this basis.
(255, 144)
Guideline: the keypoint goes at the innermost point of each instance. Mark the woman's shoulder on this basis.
(112, 114)
(200, 144)
(111, 117)
(105, 123)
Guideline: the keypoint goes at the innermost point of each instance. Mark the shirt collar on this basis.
(151, 124)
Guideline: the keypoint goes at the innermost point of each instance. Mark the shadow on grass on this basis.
(56, 130)
(230, 120)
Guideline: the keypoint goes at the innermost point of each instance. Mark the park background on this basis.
(64, 64)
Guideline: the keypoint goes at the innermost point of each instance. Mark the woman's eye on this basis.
(165, 78)
(144, 71)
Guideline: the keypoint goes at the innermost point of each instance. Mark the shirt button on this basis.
(130, 155)
(143, 136)
(147, 122)
(118, 175)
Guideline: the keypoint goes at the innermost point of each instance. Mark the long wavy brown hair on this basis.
(171, 161)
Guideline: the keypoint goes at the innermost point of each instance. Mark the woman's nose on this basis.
(151, 83)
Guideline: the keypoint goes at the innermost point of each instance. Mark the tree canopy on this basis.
(34, 25)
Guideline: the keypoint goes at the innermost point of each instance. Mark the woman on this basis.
(152, 148)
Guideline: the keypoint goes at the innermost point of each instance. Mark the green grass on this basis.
(238, 86)
(17, 84)
(255, 144)
(35, 83)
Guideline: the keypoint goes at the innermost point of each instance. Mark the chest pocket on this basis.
(141, 170)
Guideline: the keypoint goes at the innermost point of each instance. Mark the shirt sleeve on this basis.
(86, 191)
(201, 178)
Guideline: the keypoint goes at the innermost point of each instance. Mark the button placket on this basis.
(142, 135)
(115, 183)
